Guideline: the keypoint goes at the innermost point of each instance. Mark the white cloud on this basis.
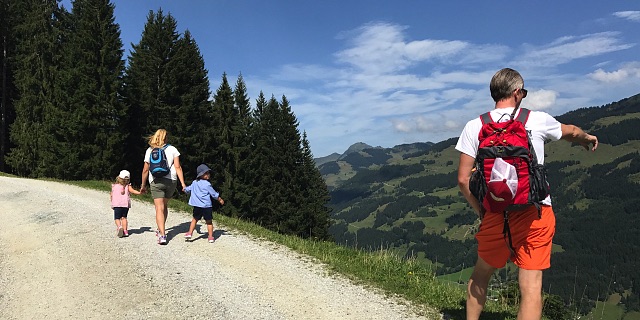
(540, 99)
(629, 15)
(623, 74)
(401, 126)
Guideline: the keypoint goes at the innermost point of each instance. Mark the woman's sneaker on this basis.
(162, 240)
(212, 240)
(126, 233)
(120, 233)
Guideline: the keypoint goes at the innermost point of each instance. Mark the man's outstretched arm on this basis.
(572, 133)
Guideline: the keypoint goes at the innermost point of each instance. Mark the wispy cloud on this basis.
(567, 49)
(629, 15)
(380, 48)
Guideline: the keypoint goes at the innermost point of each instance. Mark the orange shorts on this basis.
(531, 238)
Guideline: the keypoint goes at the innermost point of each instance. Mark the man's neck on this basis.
(506, 103)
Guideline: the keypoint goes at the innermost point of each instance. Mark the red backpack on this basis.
(507, 176)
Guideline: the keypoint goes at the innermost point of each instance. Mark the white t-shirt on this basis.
(171, 153)
(541, 127)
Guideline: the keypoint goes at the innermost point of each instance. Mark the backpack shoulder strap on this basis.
(165, 146)
(486, 118)
(523, 116)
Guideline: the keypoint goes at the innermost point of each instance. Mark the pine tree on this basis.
(92, 131)
(36, 59)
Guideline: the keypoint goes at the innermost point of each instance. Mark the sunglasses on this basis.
(524, 92)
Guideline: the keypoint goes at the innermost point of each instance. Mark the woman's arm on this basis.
(145, 176)
(176, 164)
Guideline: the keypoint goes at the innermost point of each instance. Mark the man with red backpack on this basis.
(500, 174)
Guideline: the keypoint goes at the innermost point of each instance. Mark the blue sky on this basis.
(394, 72)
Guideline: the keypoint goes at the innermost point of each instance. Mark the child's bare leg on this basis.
(124, 223)
(210, 228)
(193, 225)
(118, 224)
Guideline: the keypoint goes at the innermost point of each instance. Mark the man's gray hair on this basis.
(504, 83)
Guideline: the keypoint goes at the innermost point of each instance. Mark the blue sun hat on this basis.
(202, 169)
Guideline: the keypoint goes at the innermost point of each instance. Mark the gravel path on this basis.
(59, 258)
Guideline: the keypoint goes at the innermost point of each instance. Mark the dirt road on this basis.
(59, 258)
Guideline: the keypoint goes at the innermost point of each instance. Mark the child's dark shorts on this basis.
(120, 212)
(206, 213)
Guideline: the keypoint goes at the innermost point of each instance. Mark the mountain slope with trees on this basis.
(407, 200)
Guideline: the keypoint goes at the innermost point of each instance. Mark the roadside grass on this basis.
(410, 279)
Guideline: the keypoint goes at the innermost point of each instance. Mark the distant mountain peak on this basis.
(358, 146)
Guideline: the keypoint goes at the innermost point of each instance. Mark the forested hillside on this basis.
(72, 109)
(406, 198)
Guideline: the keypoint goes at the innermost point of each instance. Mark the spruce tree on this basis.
(91, 118)
(9, 17)
(315, 211)
(225, 119)
(259, 169)
(191, 126)
(288, 157)
(36, 59)
(150, 86)
(273, 162)
(243, 147)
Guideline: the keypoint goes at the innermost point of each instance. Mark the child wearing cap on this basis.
(201, 194)
(121, 202)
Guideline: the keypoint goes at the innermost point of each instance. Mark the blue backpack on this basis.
(158, 162)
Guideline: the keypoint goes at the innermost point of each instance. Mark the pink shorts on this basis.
(531, 238)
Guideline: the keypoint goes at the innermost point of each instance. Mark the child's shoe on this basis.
(126, 233)
(162, 240)
(212, 240)
(120, 232)
(187, 236)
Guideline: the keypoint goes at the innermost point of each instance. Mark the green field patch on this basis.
(605, 311)
(607, 121)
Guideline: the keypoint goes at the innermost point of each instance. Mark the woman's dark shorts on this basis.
(120, 212)
(199, 213)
